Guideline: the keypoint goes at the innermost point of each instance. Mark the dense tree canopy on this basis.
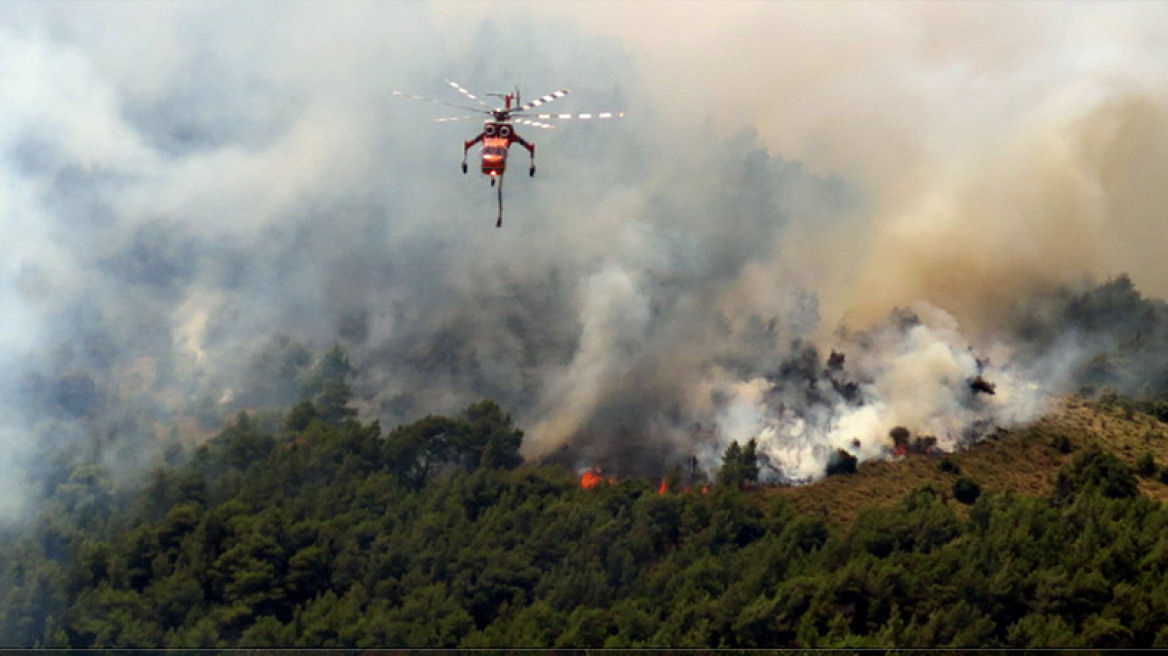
(333, 533)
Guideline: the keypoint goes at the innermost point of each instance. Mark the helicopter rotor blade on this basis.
(578, 117)
(458, 88)
(438, 102)
(451, 119)
(536, 124)
(542, 100)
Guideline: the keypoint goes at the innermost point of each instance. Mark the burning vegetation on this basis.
(594, 477)
(591, 479)
(911, 374)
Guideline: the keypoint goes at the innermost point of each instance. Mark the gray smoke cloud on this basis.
(189, 193)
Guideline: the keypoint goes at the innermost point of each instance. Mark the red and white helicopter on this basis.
(499, 131)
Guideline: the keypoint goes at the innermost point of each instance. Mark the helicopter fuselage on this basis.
(497, 138)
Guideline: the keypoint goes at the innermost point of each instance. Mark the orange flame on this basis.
(590, 479)
(663, 489)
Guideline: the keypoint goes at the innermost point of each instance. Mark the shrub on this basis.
(1146, 465)
(966, 490)
(1062, 444)
(1095, 470)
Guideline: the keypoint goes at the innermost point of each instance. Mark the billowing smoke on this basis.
(197, 198)
(914, 371)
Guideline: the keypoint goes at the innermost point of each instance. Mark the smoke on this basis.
(999, 149)
(914, 371)
(195, 198)
(616, 315)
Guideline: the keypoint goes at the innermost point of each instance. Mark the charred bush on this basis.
(925, 444)
(841, 462)
(980, 385)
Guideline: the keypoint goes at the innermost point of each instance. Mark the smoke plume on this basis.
(196, 198)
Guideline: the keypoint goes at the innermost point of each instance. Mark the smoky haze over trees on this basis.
(198, 201)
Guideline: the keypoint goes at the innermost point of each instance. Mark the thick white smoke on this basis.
(915, 371)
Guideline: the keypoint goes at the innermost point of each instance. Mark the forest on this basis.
(329, 532)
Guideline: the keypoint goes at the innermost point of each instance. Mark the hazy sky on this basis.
(181, 182)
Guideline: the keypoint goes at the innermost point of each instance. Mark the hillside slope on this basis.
(332, 533)
(1022, 461)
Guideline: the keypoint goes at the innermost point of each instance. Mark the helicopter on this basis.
(499, 134)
